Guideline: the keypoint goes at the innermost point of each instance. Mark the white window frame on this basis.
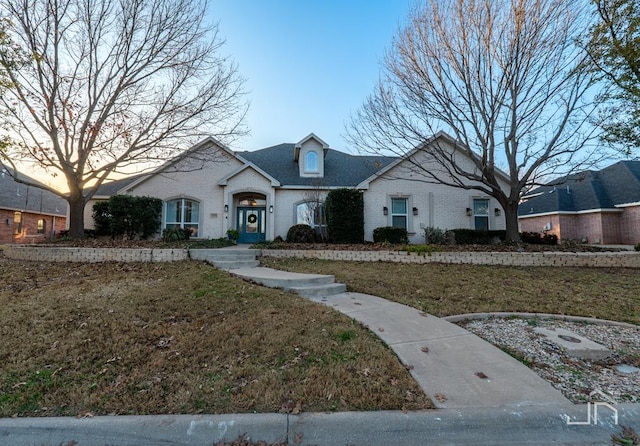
(405, 214)
(182, 205)
(316, 161)
(477, 215)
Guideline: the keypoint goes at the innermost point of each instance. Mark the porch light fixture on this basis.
(385, 210)
(226, 208)
(468, 212)
(497, 212)
(415, 211)
(271, 209)
(8, 222)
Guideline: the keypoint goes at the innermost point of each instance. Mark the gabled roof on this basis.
(248, 165)
(340, 169)
(107, 189)
(16, 196)
(608, 188)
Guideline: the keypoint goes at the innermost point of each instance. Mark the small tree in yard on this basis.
(345, 216)
(99, 87)
(128, 215)
(506, 79)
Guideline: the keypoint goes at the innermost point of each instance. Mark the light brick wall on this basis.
(93, 255)
(438, 205)
(560, 259)
(201, 185)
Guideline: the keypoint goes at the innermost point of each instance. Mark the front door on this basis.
(251, 224)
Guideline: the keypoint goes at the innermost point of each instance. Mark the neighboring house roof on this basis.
(17, 196)
(111, 188)
(340, 169)
(608, 188)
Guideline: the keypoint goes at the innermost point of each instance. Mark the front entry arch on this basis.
(251, 218)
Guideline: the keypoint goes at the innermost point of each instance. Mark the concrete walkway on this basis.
(456, 368)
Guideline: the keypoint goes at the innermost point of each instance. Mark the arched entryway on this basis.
(251, 217)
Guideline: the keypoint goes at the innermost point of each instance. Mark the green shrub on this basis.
(128, 215)
(102, 218)
(345, 216)
(434, 236)
(637, 247)
(537, 238)
(176, 234)
(389, 234)
(301, 234)
(465, 236)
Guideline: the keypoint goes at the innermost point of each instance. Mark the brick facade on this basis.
(606, 227)
(29, 232)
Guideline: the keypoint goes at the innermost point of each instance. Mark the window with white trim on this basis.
(183, 213)
(311, 162)
(17, 223)
(42, 226)
(481, 214)
(399, 215)
(310, 213)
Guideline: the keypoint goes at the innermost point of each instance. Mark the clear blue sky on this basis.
(309, 64)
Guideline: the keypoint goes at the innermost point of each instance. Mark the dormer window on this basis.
(311, 162)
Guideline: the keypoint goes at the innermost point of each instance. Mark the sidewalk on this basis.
(454, 367)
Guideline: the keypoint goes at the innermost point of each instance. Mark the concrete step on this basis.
(227, 258)
(281, 279)
(319, 290)
(234, 264)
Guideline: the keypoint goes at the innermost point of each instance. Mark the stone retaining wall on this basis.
(601, 259)
(93, 255)
(624, 259)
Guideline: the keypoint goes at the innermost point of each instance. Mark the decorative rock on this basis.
(626, 368)
(574, 344)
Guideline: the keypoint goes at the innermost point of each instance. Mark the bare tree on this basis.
(314, 212)
(504, 78)
(108, 86)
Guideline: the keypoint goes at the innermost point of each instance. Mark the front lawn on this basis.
(115, 338)
(443, 290)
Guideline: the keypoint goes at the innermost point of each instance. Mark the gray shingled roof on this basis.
(20, 197)
(111, 188)
(340, 169)
(602, 189)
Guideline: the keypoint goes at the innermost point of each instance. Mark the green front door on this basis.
(251, 224)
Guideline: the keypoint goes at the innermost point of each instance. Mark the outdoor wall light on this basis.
(468, 212)
(226, 208)
(415, 211)
(8, 222)
(497, 212)
(385, 210)
(271, 209)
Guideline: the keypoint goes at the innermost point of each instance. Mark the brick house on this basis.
(264, 192)
(28, 214)
(598, 207)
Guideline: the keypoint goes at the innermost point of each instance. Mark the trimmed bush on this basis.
(465, 236)
(301, 234)
(389, 234)
(434, 236)
(102, 218)
(176, 234)
(128, 215)
(537, 238)
(345, 216)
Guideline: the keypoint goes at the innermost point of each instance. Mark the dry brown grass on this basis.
(444, 290)
(80, 339)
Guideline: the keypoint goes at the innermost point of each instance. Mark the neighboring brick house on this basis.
(265, 192)
(28, 214)
(599, 207)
